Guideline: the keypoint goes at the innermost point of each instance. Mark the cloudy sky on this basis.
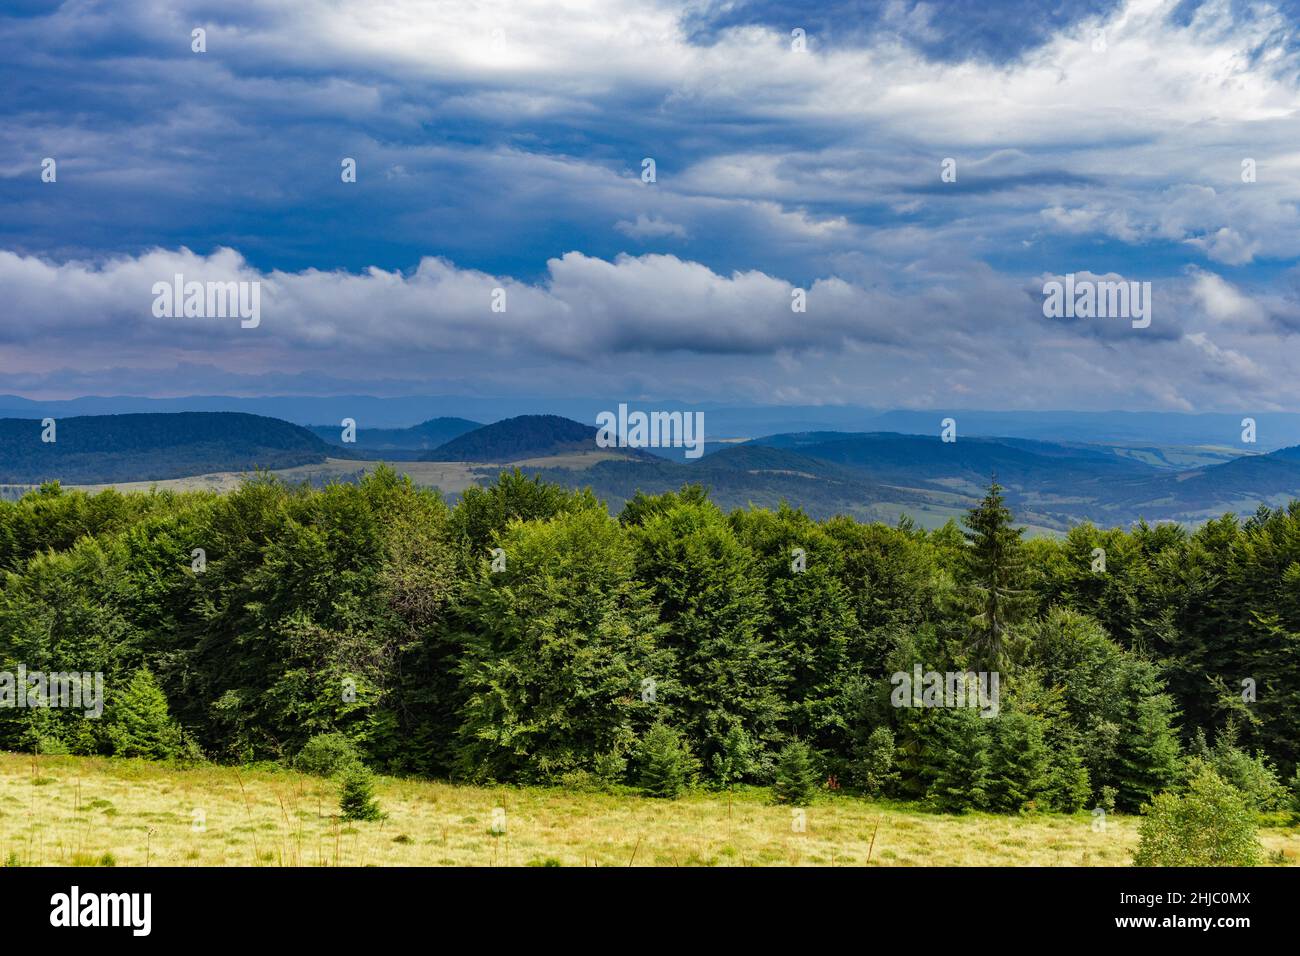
(501, 145)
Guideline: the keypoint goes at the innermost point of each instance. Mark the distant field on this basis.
(929, 506)
(453, 477)
(576, 460)
(449, 477)
(90, 811)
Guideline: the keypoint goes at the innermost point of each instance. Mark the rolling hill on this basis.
(746, 474)
(1160, 429)
(515, 439)
(142, 447)
(1239, 485)
(1049, 484)
(873, 475)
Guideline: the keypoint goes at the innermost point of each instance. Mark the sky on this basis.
(798, 151)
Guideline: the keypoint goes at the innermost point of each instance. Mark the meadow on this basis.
(87, 811)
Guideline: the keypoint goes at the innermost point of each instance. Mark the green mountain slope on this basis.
(144, 447)
(514, 439)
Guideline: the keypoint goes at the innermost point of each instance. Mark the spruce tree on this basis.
(140, 724)
(956, 755)
(1066, 785)
(796, 778)
(357, 794)
(993, 572)
(667, 766)
(1148, 755)
(1018, 761)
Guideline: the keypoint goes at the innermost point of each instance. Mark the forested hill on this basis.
(870, 475)
(148, 447)
(515, 439)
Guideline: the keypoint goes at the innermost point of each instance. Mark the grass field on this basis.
(449, 477)
(87, 811)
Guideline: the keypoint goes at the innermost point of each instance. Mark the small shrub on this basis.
(667, 765)
(140, 724)
(735, 760)
(609, 768)
(1107, 799)
(50, 746)
(874, 768)
(327, 754)
(1212, 824)
(188, 752)
(357, 794)
(1252, 774)
(796, 779)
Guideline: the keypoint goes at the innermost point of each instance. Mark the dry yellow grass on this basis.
(449, 477)
(77, 810)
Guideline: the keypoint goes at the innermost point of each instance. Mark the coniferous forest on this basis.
(526, 635)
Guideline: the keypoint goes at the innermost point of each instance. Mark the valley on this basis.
(871, 476)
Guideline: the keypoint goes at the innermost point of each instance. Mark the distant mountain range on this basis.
(723, 421)
(880, 475)
(402, 444)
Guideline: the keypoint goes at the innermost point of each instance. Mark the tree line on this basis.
(527, 635)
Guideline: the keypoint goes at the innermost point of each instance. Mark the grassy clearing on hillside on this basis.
(87, 811)
(448, 477)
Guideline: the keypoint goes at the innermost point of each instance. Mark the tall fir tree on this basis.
(993, 577)
(1148, 758)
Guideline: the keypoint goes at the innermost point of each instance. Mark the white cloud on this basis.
(650, 227)
(956, 334)
(772, 163)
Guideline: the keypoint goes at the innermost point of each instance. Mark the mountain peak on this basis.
(518, 438)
